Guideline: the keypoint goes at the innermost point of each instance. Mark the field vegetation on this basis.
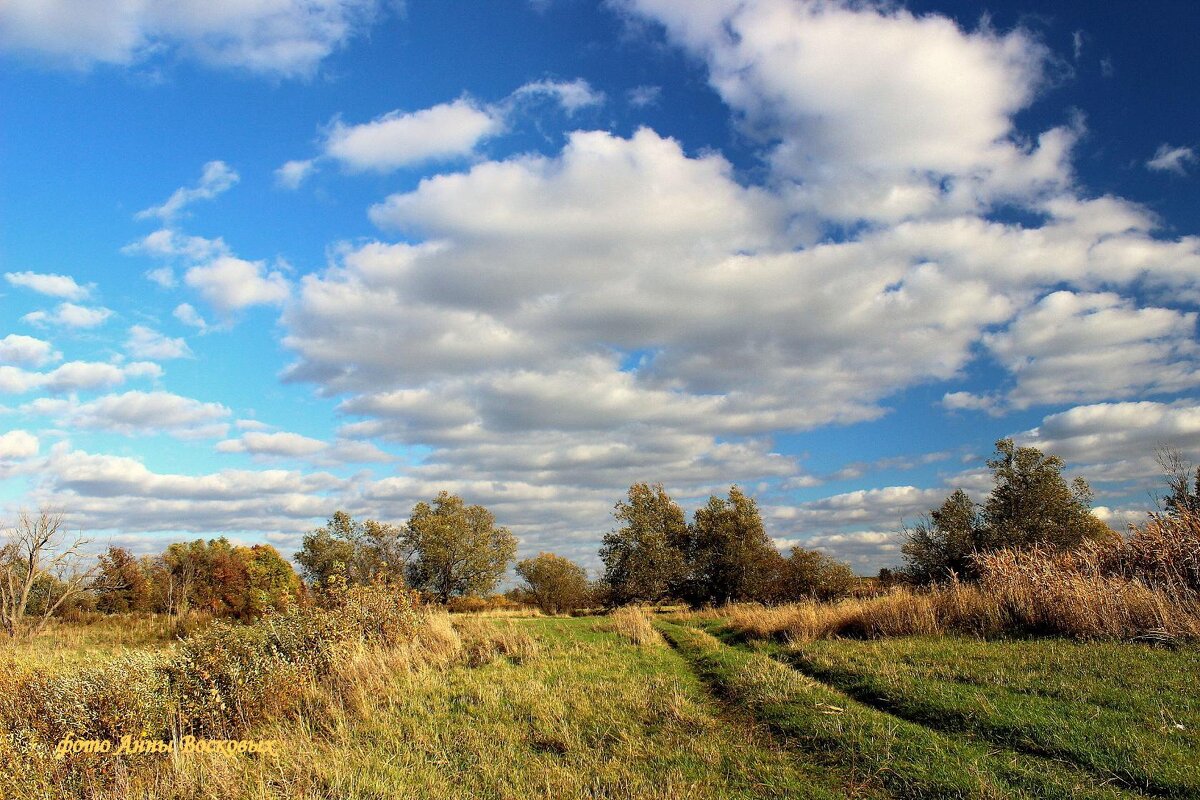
(631, 704)
(1024, 650)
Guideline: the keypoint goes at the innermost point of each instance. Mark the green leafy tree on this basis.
(644, 559)
(1031, 503)
(185, 570)
(888, 578)
(271, 583)
(808, 574)
(943, 543)
(358, 552)
(323, 554)
(731, 557)
(457, 549)
(122, 583)
(383, 553)
(553, 583)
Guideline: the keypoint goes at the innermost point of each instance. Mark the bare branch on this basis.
(34, 552)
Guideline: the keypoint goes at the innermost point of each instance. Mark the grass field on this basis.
(1129, 714)
(634, 707)
(68, 645)
(586, 713)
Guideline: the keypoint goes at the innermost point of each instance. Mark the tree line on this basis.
(1031, 504)
(446, 549)
(449, 549)
(723, 556)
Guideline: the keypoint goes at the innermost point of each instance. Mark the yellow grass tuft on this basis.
(485, 642)
(632, 623)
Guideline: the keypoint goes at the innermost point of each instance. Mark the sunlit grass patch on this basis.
(70, 645)
(632, 623)
(1127, 712)
(588, 716)
(904, 758)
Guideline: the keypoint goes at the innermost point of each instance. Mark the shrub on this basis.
(809, 574)
(122, 696)
(554, 584)
(219, 683)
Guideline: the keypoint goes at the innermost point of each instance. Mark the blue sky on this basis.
(264, 261)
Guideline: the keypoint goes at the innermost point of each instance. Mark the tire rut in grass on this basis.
(832, 780)
(948, 720)
(905, 758)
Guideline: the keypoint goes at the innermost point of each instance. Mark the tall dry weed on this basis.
(222, 682)
(485, 642)
(633, 624)
(1144, 587)
(1087, 594)
(1164, 553)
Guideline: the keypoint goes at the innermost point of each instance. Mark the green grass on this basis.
(1128, 713)
(590, 715)
(905, 758)
(603, 708)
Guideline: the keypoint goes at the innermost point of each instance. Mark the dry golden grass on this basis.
(590, 717)
(496, 604)
(1144, 586)
(320, 668)
(523, 612)
(1163, 553)
(94, 639)
(632, 623)
(895, 614)
(1071, 594)
(485, 641)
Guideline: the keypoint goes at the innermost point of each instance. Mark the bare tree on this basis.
(1181, 476)
(36, 550)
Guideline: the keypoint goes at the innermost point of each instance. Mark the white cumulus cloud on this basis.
(291, 445)
(17, 445)
(63, 286)
(400, 139)
(274, 37)
(293, 173)
(70, 315)
(185, 313)
(230, 283)
(139, 413)
(27, 351)
(146, 342)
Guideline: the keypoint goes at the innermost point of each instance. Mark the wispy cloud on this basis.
(216, 178)
(1172, 159)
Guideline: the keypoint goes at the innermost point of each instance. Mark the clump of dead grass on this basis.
(633, 624)
(487, 641)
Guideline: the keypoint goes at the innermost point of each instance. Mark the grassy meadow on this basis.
(73, 644)
(633, 704)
